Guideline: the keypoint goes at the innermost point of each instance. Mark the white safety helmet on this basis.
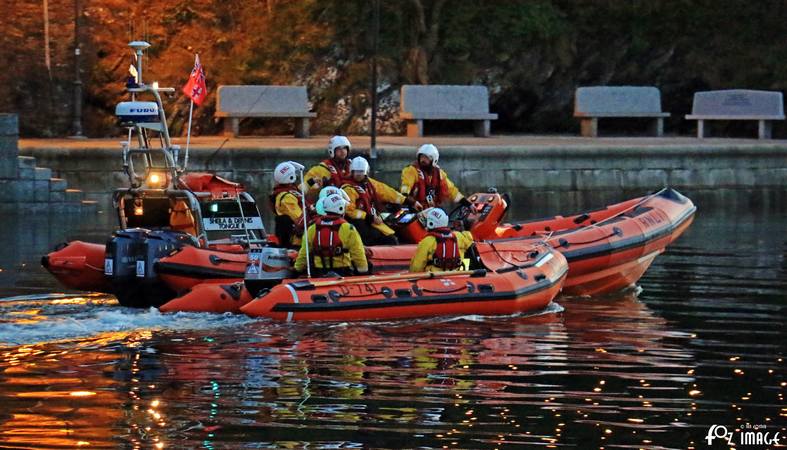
(334, 204)
(319, 207)
(285, 173)
(336, 142)
(359, 164)
(333, 190)
(434, 218)
(430, 151)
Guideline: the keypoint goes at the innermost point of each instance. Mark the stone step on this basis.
(43, 173)
(26, 162)
(57, 185)
(74, 195)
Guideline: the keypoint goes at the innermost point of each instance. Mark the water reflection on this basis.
(702, 343)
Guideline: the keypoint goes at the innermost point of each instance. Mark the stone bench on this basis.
(595, 102)
(445, 102)
(237, 102)
(737, 104)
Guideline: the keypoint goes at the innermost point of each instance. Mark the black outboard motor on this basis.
(129, 262)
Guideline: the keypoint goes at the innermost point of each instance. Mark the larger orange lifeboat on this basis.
(609, 249)
(511, 279)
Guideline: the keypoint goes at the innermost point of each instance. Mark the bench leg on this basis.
(231, 126)
(589, 127)
(415, 128)
(302, 127)
(764, 129)
(658, 127)
(702, 130)
(481, 128)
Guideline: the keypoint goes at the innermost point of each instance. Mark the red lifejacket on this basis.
(429, 186)
(446, 253)
(327, 242)
(367, 197)
(339, 175)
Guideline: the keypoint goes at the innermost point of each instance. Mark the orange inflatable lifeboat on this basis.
(505, 279)
(210, 297)
(609, 249)
(78, 265)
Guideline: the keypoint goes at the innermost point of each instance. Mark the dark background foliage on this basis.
(532, 54)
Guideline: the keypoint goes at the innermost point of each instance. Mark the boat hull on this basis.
(500, 290)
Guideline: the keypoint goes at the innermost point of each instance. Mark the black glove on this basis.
(465, 202)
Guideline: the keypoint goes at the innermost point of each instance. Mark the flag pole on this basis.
(188, 137)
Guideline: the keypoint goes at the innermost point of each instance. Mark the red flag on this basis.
(195, 88)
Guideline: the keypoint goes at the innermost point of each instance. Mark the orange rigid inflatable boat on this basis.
(505, 278)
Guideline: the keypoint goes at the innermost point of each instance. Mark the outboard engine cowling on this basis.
(129, 263)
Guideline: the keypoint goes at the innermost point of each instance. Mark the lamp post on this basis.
(375, 39)
(76, 125)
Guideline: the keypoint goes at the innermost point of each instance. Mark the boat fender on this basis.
(233, 290)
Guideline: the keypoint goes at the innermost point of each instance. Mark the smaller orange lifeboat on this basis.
(511, 279)
(210, 297)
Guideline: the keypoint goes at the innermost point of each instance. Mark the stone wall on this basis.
(549, 179)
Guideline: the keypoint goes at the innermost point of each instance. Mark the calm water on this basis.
(700, 342)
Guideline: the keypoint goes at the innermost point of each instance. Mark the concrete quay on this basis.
(548, 173)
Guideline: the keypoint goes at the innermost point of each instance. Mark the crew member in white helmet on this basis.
(442, 249)
(335, 246)
(427, 185)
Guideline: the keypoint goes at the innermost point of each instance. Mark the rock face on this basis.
(532, 56)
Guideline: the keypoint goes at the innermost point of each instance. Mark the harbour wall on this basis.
(546, 179)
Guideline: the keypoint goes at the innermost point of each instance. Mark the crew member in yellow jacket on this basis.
(334, 245)
(368, 197)
(442, 249)
(334, 171)
(286, 201)
(425, 184)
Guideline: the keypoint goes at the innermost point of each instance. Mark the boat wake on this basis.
(37, 319)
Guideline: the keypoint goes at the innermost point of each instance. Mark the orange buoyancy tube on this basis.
(446, 253)
(79, 265)
(210, 297)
